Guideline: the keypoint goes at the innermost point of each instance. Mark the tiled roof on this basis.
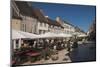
(37, 13)
(68, 23)
(32, 11)
(24, 8)
(16, 17)
(53, 22)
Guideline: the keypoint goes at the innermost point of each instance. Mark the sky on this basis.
(78, 15)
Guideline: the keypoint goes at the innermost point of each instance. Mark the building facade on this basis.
(68, 28)
(54, 26)
(31, 19)
(22, 18)
(41, 22)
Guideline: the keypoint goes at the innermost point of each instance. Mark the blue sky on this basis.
(78, 15)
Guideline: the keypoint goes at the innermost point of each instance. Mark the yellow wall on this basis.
(16, 24)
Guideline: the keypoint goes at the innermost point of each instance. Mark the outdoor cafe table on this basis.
(13, 62)
(34, 55)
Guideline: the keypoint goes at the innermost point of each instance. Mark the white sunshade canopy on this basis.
(82, 35)
(48, 35)
(64, 35)
(20, 34)
(53, 35)
(16, 35)
(25, 35)
(29, 35)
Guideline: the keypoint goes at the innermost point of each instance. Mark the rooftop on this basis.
(24, 8)
(54, 22)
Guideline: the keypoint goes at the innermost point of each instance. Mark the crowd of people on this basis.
(48, 46)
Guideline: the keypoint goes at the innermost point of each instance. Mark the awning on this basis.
(48, 35)
(82, 35)
(22, 35)
(64, 35)
(29, 35)
(54, 35)
(16, 35)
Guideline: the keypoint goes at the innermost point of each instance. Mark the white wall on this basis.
(42, 26)
(30, 23)
(68, 29)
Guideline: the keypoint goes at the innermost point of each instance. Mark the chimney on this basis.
(58, 19)
(46, 16)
